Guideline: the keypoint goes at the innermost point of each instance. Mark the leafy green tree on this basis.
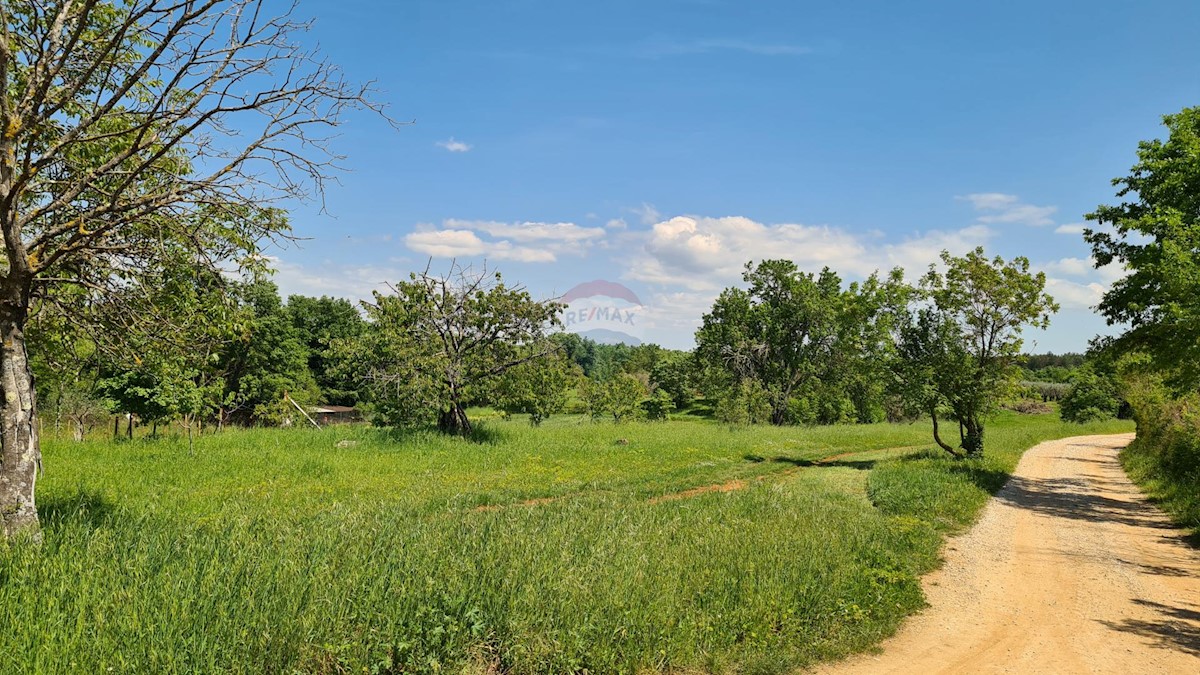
(439, 343)
(744, 403)
(1092, 396)
(622, 397)
(319, 322)
(958, 350)
(801, 336)
(673, 375)
(266, 362)
(134, 136)
(659, 406)
(538, 387)
(1154, 233)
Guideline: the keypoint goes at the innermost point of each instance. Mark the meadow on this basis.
(683, 546)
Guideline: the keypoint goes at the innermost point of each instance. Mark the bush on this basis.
(746, 403)
(1165, 458)
(659, 406)
(1092, 397)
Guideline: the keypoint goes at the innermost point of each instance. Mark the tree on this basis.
(1154, 233)
(538, 387)
(266, 362)
(959, 347)
(622, 397)
(801, 336)
(672, 374)
(1092, 396)
(131, 133)
(439, 343)
(319, 322)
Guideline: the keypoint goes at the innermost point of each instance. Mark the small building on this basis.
(335, 414)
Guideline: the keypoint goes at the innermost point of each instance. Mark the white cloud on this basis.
(1074, 228)
(455, 146)
(647, 213)
(616, 224)
(467, 244)
(1000, 208)
(520, 242)
(527, 232)
(700, 253)
(343, 281)
(446, 243)
(1075, 267)
(1073, 295)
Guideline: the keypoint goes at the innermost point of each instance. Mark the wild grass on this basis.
(275, 551)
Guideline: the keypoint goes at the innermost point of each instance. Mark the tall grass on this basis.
(1165, 458)
(278, 552)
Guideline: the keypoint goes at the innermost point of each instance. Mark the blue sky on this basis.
(662, 144)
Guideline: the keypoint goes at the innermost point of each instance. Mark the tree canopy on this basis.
(1154, 233)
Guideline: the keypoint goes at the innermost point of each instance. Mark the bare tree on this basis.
(134, 136)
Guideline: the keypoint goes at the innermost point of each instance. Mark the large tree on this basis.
(959, 348)
(1154, 233)
(136, 134)
(319, 322)
(803, 337)
(438, 343)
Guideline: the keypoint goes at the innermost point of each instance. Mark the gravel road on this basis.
(1070, 570)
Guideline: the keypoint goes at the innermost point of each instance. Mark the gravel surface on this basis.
(1070, 570)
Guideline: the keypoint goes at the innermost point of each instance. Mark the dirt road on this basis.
(1070, 570)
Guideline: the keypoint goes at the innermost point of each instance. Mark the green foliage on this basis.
(673, 375)
(659, 406)
(1165, 458)
(537, 388)
(802, 335)
(294, 556)
(1154, 234)
(622, 397)
(746, 402)
(437, 344)
(267, 361)
(318, 323)
(959, 347)
(1092, 396)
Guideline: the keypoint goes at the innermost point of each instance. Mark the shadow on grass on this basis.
(859, 464)
(82, 508)
(1175, 628)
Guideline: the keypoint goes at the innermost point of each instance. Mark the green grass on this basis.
(1167, 467)
(276, 552)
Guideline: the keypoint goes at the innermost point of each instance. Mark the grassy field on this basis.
(575, 547)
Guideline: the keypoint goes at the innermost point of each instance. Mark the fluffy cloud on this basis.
(343, 281)
(700, 253)
(520, 242)
(454, 146)
(527, 232)
(999, 208)
(1074, 228)
(466, 244)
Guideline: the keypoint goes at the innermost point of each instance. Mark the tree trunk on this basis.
(454, 421)
(937, 437)
(20, 454)
(116, 427)
(77, 431)
(973, 440)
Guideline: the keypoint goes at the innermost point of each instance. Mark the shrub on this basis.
(1092, 397)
